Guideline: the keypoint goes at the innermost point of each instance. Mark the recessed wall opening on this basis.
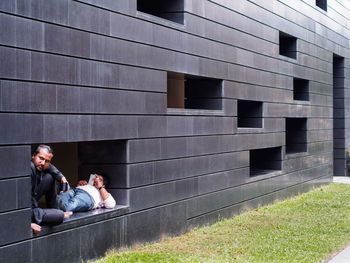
(193, 92)
(340, 108)
(264, 161)
(249, 114)
(65, 159)
(301, 89)
(287, 45)
(172, 10)
(77, 160)
(322, 4)
(296, 135)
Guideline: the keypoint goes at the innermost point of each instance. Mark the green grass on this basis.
(307, 228)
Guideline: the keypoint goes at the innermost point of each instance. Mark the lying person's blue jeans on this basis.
(75, 200)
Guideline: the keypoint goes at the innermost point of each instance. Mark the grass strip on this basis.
(307, 228)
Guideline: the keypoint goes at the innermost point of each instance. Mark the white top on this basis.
(95, 194)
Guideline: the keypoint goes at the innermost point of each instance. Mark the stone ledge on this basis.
(79, 219)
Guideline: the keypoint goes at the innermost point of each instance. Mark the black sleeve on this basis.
(57, 175)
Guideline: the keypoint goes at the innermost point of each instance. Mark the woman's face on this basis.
(98, 180)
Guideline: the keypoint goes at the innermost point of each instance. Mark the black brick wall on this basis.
(94, 73)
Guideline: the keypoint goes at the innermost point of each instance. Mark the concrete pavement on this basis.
(344, 255)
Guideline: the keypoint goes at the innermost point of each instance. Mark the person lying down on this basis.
(86, 196)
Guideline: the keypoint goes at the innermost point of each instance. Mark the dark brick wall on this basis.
(94, 73)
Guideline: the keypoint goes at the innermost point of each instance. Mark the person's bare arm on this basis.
(107, 198)
(104, 193)
(101, 188)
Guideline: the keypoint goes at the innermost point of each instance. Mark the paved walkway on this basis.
(343, 256)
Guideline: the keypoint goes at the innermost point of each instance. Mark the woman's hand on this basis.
(98, 182)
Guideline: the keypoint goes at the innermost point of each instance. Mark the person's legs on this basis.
(76, 200)
(47, 216)
(47, 187)
(64, 198)
(52, 217)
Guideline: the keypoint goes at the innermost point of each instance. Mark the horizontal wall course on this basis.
(319, 135)
(23, 192)
(210, 202)
(219, 200)
(222, 180)
(14, 161)
(256, 141)
(79, 128)
(81, 47)
(17, 252)
(27, 97)
(185, 167)
(280, 110)
(37, 66)
(69, 41)
(148, 126)
(113, 127)
(235, 209)
(160, 194)
(51, 10)
(144, 197)
(42, 128)
(125, 7)
(159, 223)
(66, 247)
(15, 226)
(17, 31)
(146, 173)
(177, 147)
(245, 91)
(7, 193)
(88, 17)
(319, 147)
(12, 131)
(136, 231)
(97, 238)
(16, 192)
(300, 163)
(199, 125)
(8, 6)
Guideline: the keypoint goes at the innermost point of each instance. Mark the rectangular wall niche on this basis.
(301, 89)
(322, 4)
(340, 117)
(78, 160)
(249, 114)
(296, 135)
(288, 45)
(264, 161)
(172, 10)
(66, 159)
(193, 92)
(109, 159)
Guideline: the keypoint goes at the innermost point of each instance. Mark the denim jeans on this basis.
(75, 200)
